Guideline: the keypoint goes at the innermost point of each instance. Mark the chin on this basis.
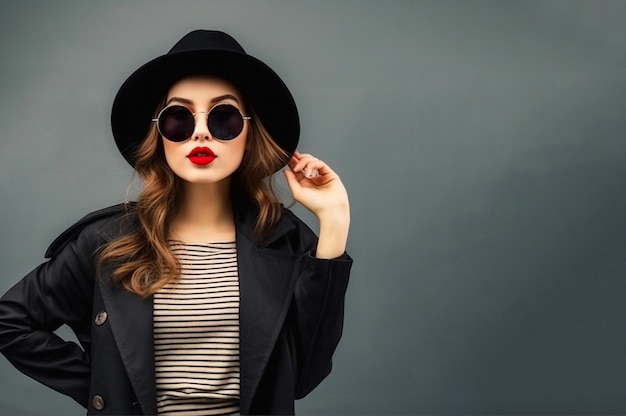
(205, 181)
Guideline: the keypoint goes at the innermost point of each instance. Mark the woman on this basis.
(205, 296)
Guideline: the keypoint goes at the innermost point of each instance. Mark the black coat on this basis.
(291, 319)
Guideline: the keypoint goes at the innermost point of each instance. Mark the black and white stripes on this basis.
(196, 333)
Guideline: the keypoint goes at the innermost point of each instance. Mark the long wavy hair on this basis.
(143, 261)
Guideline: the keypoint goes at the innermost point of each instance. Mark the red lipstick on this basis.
(201, 156)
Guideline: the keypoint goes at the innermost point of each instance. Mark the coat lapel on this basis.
(130, 318)
(265, 284)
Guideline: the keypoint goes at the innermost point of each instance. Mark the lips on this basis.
(201, 156)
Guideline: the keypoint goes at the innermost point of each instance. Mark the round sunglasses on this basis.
(176, 123)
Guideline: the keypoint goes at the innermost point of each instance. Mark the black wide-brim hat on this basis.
(203, 52)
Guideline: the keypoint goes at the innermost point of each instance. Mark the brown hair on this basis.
(143, 260)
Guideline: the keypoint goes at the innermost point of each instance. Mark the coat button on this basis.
(98, 402)
(101, 318)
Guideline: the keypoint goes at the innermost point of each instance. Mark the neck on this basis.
(206, 212)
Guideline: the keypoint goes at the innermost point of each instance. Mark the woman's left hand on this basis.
(317, 187)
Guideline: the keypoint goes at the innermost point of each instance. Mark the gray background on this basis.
(482, 143)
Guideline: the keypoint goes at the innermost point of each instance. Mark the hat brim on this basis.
(262, 89)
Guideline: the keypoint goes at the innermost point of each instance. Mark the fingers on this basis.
(308, 165)
(292, 181)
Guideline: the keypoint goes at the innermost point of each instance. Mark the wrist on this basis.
(333, 234)
(335, 216)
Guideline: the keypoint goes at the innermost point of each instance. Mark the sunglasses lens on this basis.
(176, 123)
(225, 122)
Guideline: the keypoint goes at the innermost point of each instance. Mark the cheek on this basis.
(169, 150)
(241, 145)
(166, 148)
(247, 139)
(244, 144)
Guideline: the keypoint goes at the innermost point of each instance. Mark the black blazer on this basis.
(291, 318)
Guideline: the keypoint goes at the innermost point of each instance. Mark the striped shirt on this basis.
(196, 333)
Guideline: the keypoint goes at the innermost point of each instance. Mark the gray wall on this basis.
(482, 144)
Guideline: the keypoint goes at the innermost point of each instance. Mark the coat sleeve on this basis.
(59, 291)
(319, 312)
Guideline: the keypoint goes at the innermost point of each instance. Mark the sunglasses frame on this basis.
(156, 120)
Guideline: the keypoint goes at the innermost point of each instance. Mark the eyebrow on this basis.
(214, 100)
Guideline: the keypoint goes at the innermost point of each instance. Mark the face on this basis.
(192, 160)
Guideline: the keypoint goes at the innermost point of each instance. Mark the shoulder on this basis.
(299, 226)
(106, 223)
(291, 234)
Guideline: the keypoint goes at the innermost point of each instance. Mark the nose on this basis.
(201, 129)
